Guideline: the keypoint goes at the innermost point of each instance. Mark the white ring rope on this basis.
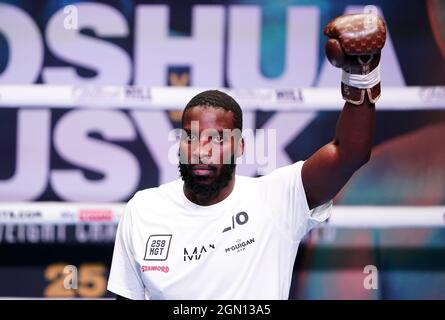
(64, 213)
(161, 98)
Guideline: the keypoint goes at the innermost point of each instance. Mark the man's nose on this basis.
(202, 150)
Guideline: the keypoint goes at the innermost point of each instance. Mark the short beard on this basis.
(204, 191)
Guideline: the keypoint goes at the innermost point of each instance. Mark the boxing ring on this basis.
(39, 239)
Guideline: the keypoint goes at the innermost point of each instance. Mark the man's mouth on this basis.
(202, 170)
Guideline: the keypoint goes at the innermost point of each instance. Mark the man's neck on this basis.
(205, 201)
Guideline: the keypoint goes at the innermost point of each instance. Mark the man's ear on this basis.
(240, 149)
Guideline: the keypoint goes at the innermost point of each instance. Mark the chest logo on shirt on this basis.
(237, 220)
(157, 247)
(240, 245)
(196, 252)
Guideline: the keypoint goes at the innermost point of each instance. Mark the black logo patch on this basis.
(237, 220)
(197, 252)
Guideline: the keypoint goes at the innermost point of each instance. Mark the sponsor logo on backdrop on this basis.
(432, 94)
(95, 233)
(20, 215)
(289, 96)
(253, 96)
(137, 93)
(157, 247)
(68, 215)
(95, 215)
(95, 93)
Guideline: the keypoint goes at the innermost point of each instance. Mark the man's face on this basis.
(208, 148)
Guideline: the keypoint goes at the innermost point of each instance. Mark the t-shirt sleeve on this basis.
(284, 189)
(124, 279)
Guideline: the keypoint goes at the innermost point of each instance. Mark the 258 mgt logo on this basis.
(157, 247)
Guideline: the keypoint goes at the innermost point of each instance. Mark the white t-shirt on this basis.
(243, 247)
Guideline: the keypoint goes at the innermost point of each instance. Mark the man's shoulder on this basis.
(275, 180)
(287, 171)
(160, 193)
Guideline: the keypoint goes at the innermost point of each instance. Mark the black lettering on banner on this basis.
(243, 309)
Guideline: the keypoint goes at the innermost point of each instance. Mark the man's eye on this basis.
(217, 139)
(190, 137)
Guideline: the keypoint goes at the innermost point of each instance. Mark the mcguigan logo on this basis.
(240, 245)
(196, 253)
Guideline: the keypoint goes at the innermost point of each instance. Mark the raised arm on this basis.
(354, 45)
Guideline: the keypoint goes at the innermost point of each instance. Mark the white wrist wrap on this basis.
(362, 81)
